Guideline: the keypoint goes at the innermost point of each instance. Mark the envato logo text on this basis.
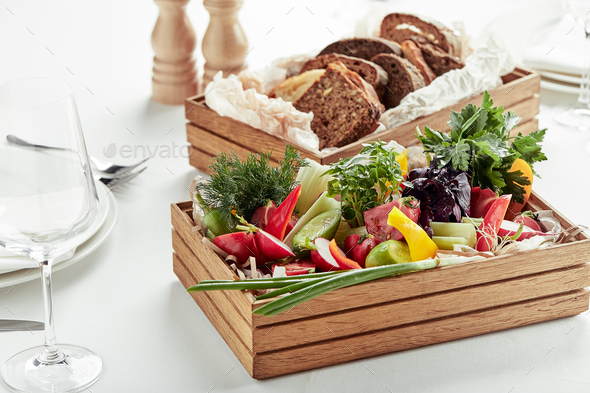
(142, 151)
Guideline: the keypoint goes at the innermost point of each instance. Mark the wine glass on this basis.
(579, 117)
(48, 202)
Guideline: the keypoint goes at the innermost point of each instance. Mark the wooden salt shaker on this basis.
(174, 41)
(224, 45)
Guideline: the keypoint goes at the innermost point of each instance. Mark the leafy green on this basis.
(241, 187)
(364, 181)
(480, 144)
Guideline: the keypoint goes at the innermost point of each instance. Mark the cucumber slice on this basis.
(323, 225)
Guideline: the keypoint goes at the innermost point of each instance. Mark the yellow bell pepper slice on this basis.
(421, 246)
(402, 160)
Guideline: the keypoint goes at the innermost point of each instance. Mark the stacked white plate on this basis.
(543, 39)
(15, 269)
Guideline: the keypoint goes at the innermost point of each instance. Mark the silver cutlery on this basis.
(17, 324)
(104, 169)
(117, 181)
(108, 173)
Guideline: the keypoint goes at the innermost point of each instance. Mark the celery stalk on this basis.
(312, 184)
(455, 229)
(447, 242)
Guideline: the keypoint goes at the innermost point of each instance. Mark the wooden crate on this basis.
(210, 134)
(391, 314)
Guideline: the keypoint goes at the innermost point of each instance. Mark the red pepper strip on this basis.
(343, 262)
(277, 225)
(486, 236)
(239, 244)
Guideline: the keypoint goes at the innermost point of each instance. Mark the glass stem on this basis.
(584, 97)
(51, 353)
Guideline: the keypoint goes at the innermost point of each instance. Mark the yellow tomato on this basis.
(514, 208)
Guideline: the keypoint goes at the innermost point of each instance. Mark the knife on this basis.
(16, 324)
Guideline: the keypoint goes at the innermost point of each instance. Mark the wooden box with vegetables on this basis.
(302, 265)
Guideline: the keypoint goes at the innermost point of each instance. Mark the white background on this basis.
(125, 303)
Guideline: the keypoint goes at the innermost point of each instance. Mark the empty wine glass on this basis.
(48, 202)
(579, 117)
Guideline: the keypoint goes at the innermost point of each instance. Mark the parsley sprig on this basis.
(480, 144)
(240, 187)
(364, 181)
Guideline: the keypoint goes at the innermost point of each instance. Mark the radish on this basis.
(271, 247)
(296, 268)
(528, 219)
(322, 256)
(509, 229)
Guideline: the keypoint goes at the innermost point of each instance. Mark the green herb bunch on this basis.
(364, 181)
(480, 144)
(241, 187)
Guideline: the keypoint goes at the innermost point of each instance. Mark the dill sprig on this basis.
(241, 187)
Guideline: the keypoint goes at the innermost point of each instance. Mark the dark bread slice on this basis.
(365, 48)
(404, 78)
(414, 55)
(345, 107)
(439, 61)
(370, 72)
(399, 27)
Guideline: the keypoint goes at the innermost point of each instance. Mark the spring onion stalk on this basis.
(291, 288)
(241, 285)
(288, 278)
(447, 242)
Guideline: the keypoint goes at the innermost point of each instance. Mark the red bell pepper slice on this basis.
(277, 225)
(486, 235)
(340, 257)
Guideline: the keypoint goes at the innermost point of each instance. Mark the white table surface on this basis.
(125, 303)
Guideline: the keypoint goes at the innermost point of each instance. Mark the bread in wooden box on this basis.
(404, 78)
(400, 27)
(345, 107)
(439, 61)
(364, 48)
(414, 55)
(369, 71)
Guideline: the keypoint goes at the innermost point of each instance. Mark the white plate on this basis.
(567, 78)
(83, 250)
(560, 87)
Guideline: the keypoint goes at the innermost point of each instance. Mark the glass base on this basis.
(576, 118)
(25, 373)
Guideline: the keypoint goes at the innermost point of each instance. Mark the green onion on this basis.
(291, 288)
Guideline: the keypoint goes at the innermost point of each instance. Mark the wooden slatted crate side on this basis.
(419, 309)
(217, 319)
(222, 299)
(272, 364)
(216, 267)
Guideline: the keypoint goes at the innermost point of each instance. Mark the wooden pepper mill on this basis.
(174, 41)
(224, 45)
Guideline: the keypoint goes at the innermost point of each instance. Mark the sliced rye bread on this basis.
(370, 72)
(439, 61)
(365, 48)
(345, 107)
(404, 78)
(399, 27)
(414, 55)
(294, 87)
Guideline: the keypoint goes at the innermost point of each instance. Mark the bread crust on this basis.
(404, 78)
(414, 54)
(365, 48)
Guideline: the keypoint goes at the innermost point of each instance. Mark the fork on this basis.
(106, 169)
(112, 182)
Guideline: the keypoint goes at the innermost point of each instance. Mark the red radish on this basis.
(297, 267)
(239, 244)
(376, 218)
(322, 256)
(488, 230)
(350, 243)
(481, 201)
(527, 219)
(263, 214)
(260, 258)
(277, 225)
(340, 257)
(271, 247)
(509, 229)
